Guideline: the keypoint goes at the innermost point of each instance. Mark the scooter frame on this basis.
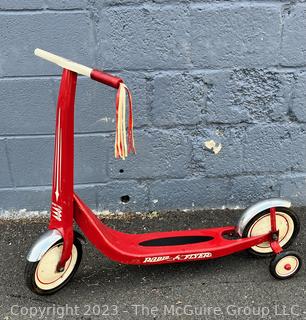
(141, 249)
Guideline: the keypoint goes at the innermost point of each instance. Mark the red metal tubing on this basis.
(62, 185)
(105, 78)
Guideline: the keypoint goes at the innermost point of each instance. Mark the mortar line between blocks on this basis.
(9, 163)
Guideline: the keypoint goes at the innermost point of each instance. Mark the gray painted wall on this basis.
(229, 71)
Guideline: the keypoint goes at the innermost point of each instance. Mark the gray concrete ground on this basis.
(234, 287)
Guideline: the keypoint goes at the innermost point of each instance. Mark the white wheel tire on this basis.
(285, 225)
(285, 265)
(46, 275)
(282, 270)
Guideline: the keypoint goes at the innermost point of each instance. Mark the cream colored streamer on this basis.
(121, 149)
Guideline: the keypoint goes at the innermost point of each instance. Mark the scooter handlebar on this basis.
(94, 74)
(64, 63)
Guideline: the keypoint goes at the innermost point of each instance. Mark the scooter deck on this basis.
(160, 247)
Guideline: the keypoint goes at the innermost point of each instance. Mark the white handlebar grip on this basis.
(64, 63)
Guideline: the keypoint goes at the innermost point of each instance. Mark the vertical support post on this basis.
(273, 219)
(274, 233)
(61, 216)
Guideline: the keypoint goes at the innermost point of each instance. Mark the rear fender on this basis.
(258, 207)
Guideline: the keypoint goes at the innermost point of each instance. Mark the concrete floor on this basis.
(234, 287)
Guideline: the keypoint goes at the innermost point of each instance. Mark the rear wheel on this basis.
(42, 276)
(285, 265)
(287, 223)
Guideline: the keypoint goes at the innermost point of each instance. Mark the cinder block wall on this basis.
(229, 73)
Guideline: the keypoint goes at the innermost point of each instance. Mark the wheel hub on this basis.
(287, 266)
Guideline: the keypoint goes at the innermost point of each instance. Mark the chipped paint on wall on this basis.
(106, 120)
(213, 146)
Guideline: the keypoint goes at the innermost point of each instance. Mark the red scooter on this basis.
(265, 228)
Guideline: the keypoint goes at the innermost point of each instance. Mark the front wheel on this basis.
(287, 223)
(285, 265)
(42, 276)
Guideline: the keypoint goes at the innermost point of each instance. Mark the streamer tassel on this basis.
(124, 142)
